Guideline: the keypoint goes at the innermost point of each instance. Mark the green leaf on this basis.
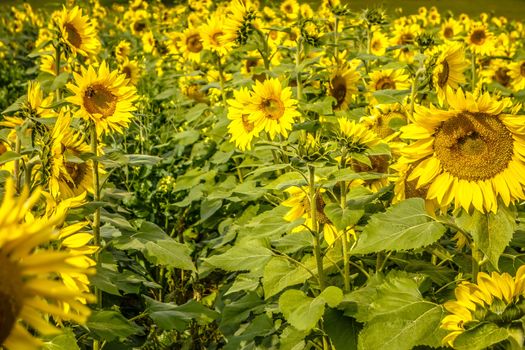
(63, 341)
(481, 337)
(404, 226)
(111, 325)
(343, 217)
(60, 81)
(209, 207)
(9, 156)
(342, 330)
(169, 316)
(241, 258)
(141, 159)
(491, 232)
(169, 253)
(304, 312)
(279, 273)
(321, 107)
(390, 96)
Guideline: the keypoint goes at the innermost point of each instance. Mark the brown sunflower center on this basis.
(250, 63)
(248, 125)
(3, 148)
(474, 146)
(478, 37)
(288, 8)
(522, 69)
(216, 37)
(319, 206)
(99, 100)
(448, 32)
(338, 89)
(194, 44)
(126, 70)
(443, 75)
(380, 164)
(72, 35)
(376, 44)
(139, 26)
(273, 108)
(11, 296)
(385, 83)
(77, 172)
(502, 76)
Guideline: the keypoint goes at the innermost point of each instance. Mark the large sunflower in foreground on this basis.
(272, 108)
(449, 69)
(496, 298)
(104, 97)
(30, 290)
(472, 154)
(77, 32)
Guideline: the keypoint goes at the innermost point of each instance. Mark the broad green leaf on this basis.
(60, 81)
(342, 217)
(209, 207)
(390, 96)
(403, 226)
(293, 242)
(63, 341)
(9, 156)
(292, 339)
(279, 273)
(342, 330)
(169, 316)
(304, 312)
(241, 258)
(244, 282)
(235, 312)
(141, 159)
(491, 232)
(261, 326)
(481, 337)
(169, 253)
(111, 325)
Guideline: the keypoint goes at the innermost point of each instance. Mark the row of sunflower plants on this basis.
(241, 175)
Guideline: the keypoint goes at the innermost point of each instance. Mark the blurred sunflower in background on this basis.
(30, 289)
(480, 39)
(470, 155)
(343, 85)
(242, 130)
(517, 73)
(104, 97)
(450, 65)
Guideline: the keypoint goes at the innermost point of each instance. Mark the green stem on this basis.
(346, 257)
(368, 39)
(336, 39)
(221, 79)
(315, 228)
(297, 64)
(16, 170)
(476, 258)
(473, 68)
(57, 68)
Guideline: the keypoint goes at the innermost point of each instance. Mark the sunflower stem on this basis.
(473, 67)
(96, 197)
(476, 258)
(57, 68)
(346, 257)
(221, 79)
(315, 228)
(336, 39)
(298, 72)
(16, 170)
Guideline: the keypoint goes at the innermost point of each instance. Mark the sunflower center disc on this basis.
(338, 89)
(194, 43)
(72, 35)
(274, 109)
(502, 76)
(248, 125)
(443, 75)
(473, 146)
(385, 83)
(98, 99)
(11, 297)
(77, 172)
(448, 33)
(478, 37)
(522, 69)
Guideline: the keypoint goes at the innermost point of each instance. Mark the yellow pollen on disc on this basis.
(473, 146)
(11, 296)
(273, 108)
(99, 100)
(72, 35)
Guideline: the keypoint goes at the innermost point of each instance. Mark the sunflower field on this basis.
(260, 175)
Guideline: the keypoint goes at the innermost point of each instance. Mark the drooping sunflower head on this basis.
(272, 108)
(105, 97)
(471, 154)
(78, 33)
(343, 85)
(31, 291)
(450, 65)
(239, 22)
(496, 298)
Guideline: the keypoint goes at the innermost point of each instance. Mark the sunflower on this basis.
(290, 8)
(104, 97)
(36, 105)
(191, 45)
(450, 29)
(212, 33)
(449, 68)
(384, 120)
(272, 109)
(471, 154)
(31, 290)
(434, 17)
(517, 74)
(131, 70)
(404, 36)
(299, 202)
(139, 22)
(480, 40)
(122, 50)
(387, 79)
(70, 176)
(343, 85)
(241, 128)
(238, 23)
(378, 43)
(495, 298)
(78, 33)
